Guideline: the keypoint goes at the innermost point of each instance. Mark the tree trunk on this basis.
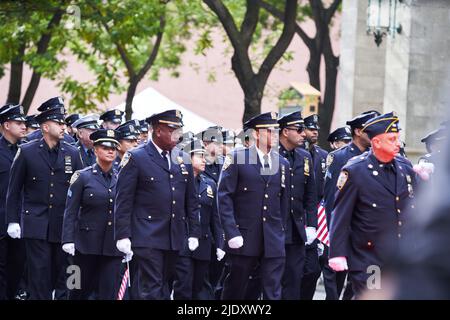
(253, 94)
(129, 100)
(31, 91)
(327, 107)
(15, 80)
(42, 48)
(313, 68)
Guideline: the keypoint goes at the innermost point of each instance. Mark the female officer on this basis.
(192, 266)
(88, 229)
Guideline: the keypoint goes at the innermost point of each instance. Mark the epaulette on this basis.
(357, 158)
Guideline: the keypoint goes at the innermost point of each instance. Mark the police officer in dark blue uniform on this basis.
(434, 143)
(85, 127)
(143, 137)
(88, 227)
(70, 119)
(31, 123)
(228, 141)
(42, 169)
(333, 281)
(312, 267)
(111, 119)
(302, 210)
(212, 138)
(156, 207)
(375, 191)
(49, 104)
(128, 137)
(339, 138)
(192, 266)
(12, 250)
(253, 200)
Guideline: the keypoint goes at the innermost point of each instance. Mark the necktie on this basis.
(166, 160)
(291, 158)
(13, 148)
(266, 162)
(389, 174)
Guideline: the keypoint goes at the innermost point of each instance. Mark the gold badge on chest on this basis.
(306, 167)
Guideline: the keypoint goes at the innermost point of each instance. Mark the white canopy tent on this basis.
(150, 101)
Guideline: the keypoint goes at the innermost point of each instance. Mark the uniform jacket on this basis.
(44, 189)
(211, 230)
(6, 159)
(369, 216)
(154, 205)
(302, 209)
(212, 170)
(252, 205)
(84, 156)
(319, 157)
(89, 218)
(335, 161)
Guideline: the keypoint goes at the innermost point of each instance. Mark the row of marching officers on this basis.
(167, 215)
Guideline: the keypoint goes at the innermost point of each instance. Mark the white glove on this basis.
(127, 257)
(338, 264)
(220, 254)
(320, 249)
(236, 242)
(124, 246)
(192, 243)
(69, 248)
(311, 235)
(424, 170)
(14, 230)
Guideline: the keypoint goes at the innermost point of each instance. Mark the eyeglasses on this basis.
(298, 129)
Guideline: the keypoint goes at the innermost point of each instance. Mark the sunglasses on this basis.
(298, 129)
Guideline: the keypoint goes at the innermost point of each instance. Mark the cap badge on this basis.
(273, 115)
(110, 133)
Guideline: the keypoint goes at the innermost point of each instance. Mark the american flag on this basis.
(124, 284)
(322, 230)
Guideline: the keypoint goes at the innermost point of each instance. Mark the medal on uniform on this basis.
(209, 192)
(68, 164)
(283, 176)
(408, 178)
(410, 191)
(182, 165)
(306, 167)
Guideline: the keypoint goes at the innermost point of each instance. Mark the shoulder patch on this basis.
(226, 163)
(74, 177)
(343, 176)
(330, 158)
(125, 159)
(17, 154)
